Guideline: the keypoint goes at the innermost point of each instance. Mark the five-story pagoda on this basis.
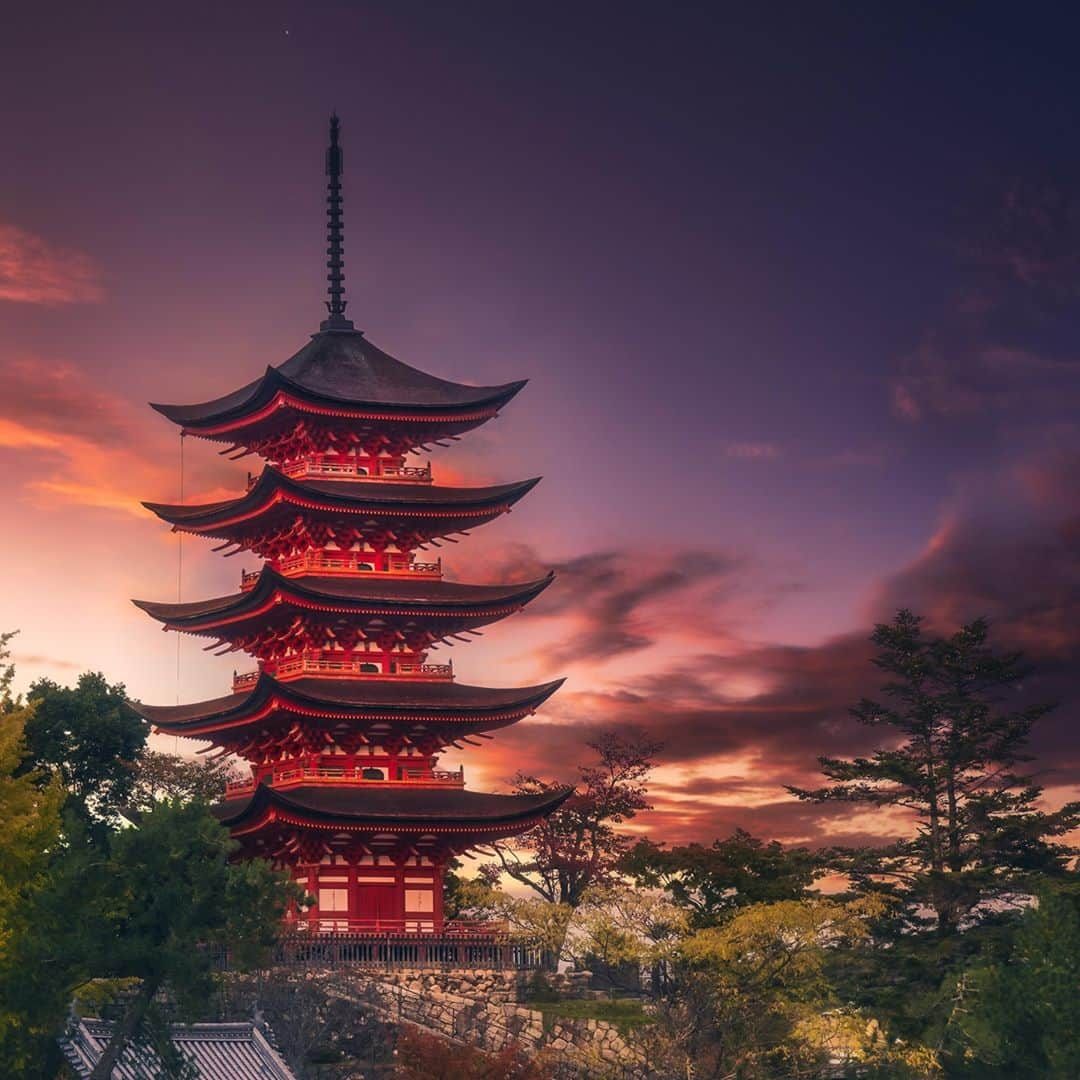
(344, 718)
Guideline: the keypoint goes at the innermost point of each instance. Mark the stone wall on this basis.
(487, 985)
(483, 1009)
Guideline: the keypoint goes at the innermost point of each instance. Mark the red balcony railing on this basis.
(346, 562)
(327, 665)
(291, 776)
(341, 470)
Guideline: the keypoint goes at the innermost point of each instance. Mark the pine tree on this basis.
(953, 759)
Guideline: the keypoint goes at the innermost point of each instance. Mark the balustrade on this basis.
(300, 774)
(352, 562)
(328, 665)
(298, 470)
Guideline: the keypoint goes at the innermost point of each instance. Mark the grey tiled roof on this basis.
(219, 1051)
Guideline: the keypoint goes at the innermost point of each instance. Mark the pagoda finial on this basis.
(334, 236)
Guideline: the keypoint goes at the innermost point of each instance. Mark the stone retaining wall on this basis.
(487, 985)
(482, 1008)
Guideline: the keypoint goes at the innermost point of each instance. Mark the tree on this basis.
(427, 1057)
(9, 702)
(89, 736)
(30, 811)
(1020, 1015)
(161, 777)
(530, 919)
(952, 760)
(579, 846)
(753, 998)
(620, 930)
(167, 900)
(714, 882)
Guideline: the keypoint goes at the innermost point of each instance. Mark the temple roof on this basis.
(422, 595)
(349, 496)
(344, 368)
(396, 806)
(385, 697)
(236, 1051)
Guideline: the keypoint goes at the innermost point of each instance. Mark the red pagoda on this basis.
(344, 717)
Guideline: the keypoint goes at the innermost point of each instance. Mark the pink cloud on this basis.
(33, 271)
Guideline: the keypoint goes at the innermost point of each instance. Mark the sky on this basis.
(797, 290)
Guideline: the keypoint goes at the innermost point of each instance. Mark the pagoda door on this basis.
(378, 906)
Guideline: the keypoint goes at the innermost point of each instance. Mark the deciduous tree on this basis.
(579, 845)
(160, 777)
(713, 882)
(90, 737)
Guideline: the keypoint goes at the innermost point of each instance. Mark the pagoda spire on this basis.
(335, 236)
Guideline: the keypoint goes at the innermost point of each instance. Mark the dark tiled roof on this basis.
(401, 805)
(387, 696)
(349, 496)
(345, 368)
(424, 594)
(221, 1051)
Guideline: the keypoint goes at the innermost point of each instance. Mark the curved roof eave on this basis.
(271, 582)
(345, 370)
(226, 709)
(385, 807)
(347, 494)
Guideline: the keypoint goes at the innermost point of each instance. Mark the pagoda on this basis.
(343, 719)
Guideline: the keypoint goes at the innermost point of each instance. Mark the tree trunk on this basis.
(955, 855)
(126, 1029)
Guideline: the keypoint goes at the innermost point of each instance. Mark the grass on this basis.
(624, 1013)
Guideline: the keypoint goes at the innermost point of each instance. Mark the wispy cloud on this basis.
(33, 271)
(753, 451)
(89, 447)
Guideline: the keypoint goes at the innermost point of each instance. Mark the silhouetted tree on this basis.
(951, 757)
(579, 845)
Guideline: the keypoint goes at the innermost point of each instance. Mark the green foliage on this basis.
(152, 903)
(626, 1014)
(159, 777)
(754, 998)
(1020, 1015)
(622, 926)
(168, 896)
(90, 737)
(9, 702)
(30, 811)
(951, 758)
(529, 918)
(714, 882)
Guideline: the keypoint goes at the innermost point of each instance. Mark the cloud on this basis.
(1009, 549)
(32, 660)
(612, 604)
(752, 451)
(739, 719)
(90, 448)
(952, 379)
(32, 271)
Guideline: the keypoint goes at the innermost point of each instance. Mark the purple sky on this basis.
(798, 293)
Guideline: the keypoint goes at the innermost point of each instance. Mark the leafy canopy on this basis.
(713, 882)
(89, 737)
